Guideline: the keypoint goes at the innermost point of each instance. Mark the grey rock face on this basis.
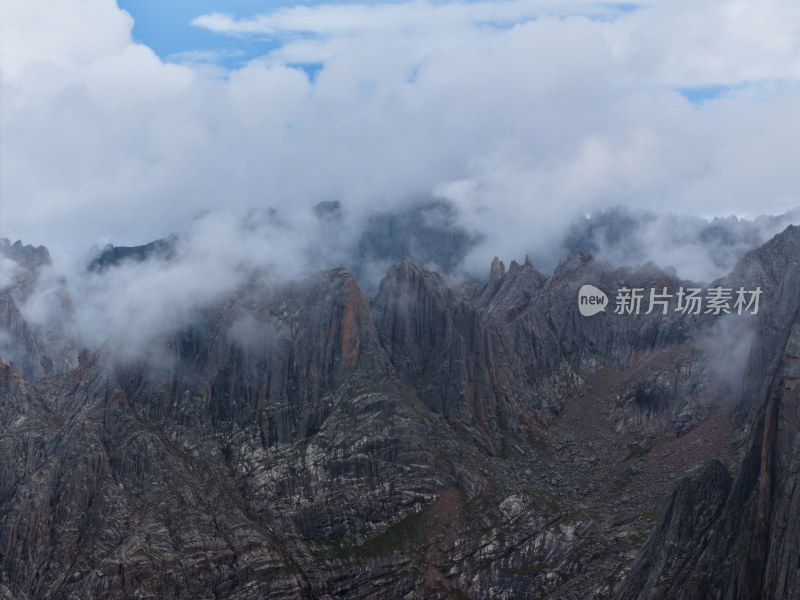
(439, 345)
(676, 543)
(749, 540)
(441, 440)
(775, 268)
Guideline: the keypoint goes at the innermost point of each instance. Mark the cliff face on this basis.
(775, 267)
(747, 542)
(740, 540)
(439, 440)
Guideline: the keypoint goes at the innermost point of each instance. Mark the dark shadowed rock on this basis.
(112, 256)
(427, 232)
(676, 543)
(748, 545)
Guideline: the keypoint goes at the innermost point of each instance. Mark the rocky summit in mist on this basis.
(428, 439)
(431, 231)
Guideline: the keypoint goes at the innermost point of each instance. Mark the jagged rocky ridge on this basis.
(439, 440)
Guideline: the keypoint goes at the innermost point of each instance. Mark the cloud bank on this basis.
(517, 116)
(521, 113)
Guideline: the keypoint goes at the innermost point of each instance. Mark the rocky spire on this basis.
(497, 271)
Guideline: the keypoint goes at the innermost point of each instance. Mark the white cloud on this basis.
(8, 272)
(63, 34)
(414, 17)
(689, 43)
(523, 113)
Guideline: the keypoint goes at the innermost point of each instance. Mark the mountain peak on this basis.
(497, 270)
(28, 256)
(575, 262)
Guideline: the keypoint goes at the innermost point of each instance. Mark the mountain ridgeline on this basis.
(436, 440)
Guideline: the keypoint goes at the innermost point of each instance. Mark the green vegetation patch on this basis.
(403, 535)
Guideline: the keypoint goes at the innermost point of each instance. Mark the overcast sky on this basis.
(121, 123)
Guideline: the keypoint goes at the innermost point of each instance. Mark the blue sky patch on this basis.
(166, 28)
(701, 94)
(623, 6)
